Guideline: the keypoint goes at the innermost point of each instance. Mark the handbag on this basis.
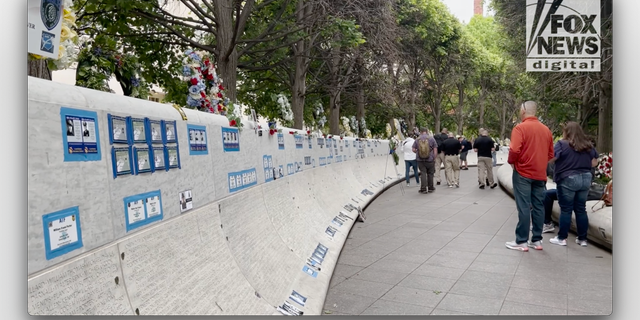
(607, 197)
(595, 192)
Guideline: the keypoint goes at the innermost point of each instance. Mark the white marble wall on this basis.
(235, 253)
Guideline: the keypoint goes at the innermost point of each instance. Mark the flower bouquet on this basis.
(206, 92)
(604, 168)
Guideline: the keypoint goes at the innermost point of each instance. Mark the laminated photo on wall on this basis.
(155, 130)
(139, 134)
(118, 128)
(121, 161)
(186, 201)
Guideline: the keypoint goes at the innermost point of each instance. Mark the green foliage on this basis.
(343, 33)
(99, 59)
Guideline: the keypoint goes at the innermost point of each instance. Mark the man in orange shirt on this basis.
(531, 149)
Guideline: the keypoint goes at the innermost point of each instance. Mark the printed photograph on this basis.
(138, 131)
(156, 132)
(186, 201)
(70, 129)
(119, 129)
(158, 158)
(122, 161)
(169, 128)
(143, 160)
(173, 156)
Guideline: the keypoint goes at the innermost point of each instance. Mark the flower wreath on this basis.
(206, 92)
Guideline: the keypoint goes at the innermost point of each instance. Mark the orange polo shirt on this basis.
(531, 149)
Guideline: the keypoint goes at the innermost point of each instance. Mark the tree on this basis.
(216, 27)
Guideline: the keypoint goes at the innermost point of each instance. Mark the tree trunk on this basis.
(605, 118)
(38, 69)
(459, 111)
(503, 118)
(334, 91)
(437, 109)
(360, 105)
(481, 105)
(605, 105)
(298, 91)
(299, 86)
(225, 46)
(412, 120)
(334, 112)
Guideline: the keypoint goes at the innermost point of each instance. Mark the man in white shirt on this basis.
(410, 160)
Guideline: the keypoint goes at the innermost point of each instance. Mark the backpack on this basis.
(424, 149)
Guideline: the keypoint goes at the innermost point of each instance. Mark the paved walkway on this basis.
(443, 253)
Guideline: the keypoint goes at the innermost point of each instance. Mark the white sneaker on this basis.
(408, 184)
(535, 245)
(582, 243)
(546, 228)
(515, 246)
(557, 241)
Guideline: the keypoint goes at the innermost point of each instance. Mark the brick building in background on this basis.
(477, 7)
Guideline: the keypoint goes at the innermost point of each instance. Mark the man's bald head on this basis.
(528, 109)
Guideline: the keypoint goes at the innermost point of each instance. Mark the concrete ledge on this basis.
(600, 221)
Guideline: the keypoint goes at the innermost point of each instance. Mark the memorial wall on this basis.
(136, 207)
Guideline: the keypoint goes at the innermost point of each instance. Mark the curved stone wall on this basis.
(238, 251)
(600, 221)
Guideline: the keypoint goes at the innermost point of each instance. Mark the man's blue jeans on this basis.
(550, 196)
(572, 197)
(407, 165)
(529, 195)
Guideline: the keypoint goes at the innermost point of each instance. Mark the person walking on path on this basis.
(451, 149)
(574, 156)
(466, 147)
(440, 155)
(530, 151)
(426, 150)
(494, 155)
(410, 160)
(483, 146)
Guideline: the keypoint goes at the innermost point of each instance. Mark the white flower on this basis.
(319, 108)
(285, 107)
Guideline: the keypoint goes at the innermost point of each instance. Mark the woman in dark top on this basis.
(574, 156)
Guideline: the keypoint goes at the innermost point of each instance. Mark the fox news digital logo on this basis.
(563, 36)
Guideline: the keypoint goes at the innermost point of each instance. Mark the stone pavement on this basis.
(443, 253)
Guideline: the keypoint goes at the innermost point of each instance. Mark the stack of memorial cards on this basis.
(349, 207)
(310, 271)
(344, 215)
(297, 298)
(337, 221)
(289, 310)
(331, 231)
(366, 192)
